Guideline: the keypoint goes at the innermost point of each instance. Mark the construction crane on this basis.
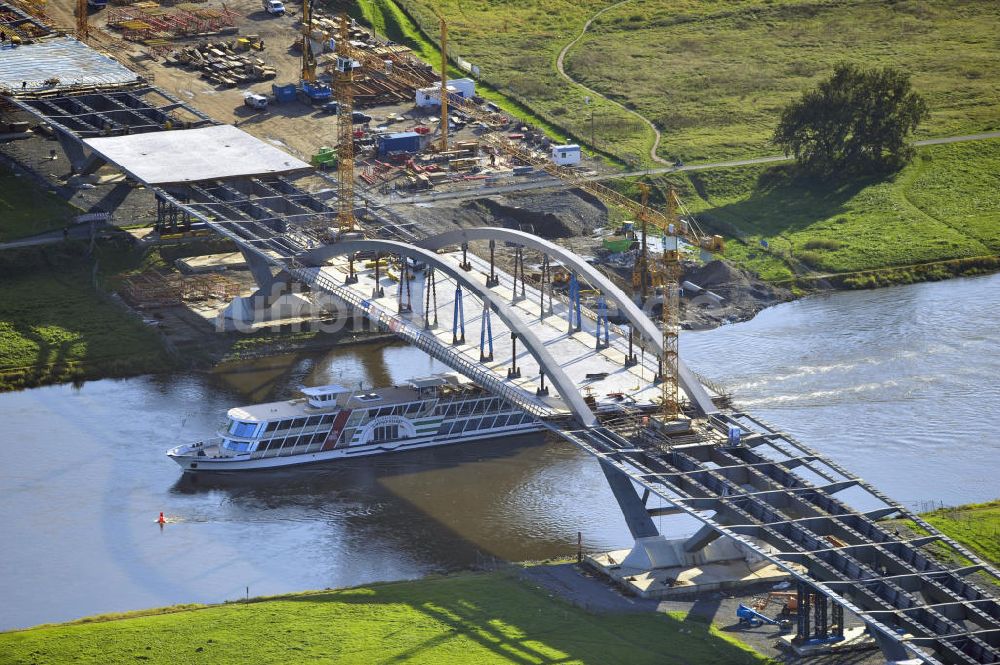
(641, 274)
(671, 276)
(444, 83)
(82, 24)
(344, 87)
(308, 58)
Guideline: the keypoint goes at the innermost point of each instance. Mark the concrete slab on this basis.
(212, 263)
(855, 639)
(70, 62)
(684, 582)
(189, 155)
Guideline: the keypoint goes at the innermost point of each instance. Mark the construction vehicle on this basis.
(273, 7)
(255, 101)
(313, 90)
(754, 619)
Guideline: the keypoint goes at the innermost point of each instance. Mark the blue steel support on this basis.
(485, 336)
(458, 319)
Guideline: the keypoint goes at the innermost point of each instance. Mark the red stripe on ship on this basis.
(338, 427)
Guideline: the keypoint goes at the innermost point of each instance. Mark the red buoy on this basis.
(162, 519)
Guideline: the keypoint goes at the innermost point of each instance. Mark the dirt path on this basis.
(562, 72)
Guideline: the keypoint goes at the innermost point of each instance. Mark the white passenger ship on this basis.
(331, 422)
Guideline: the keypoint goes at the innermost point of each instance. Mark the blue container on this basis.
(284, 93)
(399, 142)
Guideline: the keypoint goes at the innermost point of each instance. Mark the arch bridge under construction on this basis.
(588, 371)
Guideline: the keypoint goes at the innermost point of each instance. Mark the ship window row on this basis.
(236, 446)
(411, 409)
(291, 441)
(295, 423)
(471, 407)
(241, 429)
(385, 433)
(488, 422)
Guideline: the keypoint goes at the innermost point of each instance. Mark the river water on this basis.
(898, 384)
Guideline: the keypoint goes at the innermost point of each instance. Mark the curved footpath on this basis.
(562, 72)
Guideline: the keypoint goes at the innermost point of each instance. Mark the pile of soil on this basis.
(742, 295)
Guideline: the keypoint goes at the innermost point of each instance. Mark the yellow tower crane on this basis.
(444, 83)
(344, 88)
(82, 24)
(671, 271)
(308, 58)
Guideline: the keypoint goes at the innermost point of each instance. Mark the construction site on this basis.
(294, 135)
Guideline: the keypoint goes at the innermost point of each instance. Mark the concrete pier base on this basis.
(855, 639)
(658, 568)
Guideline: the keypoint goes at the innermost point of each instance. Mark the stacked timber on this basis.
(225, 64)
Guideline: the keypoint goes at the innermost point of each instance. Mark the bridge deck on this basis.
(610, 382)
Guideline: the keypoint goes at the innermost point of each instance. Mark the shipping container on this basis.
(408, 142)
(284, 93)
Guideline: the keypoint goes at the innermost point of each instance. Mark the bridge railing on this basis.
(424, 341)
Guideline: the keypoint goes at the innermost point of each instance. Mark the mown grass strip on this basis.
(468, 618)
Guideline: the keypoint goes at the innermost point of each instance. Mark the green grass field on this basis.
(713, 74)
(54, 326)
(945, 205)
(26, 209)
(976, 525)
(470, 618)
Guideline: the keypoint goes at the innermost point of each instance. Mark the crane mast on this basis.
(344, 87)
(308, 59)
(670, 382)
(444, 83)
(82, 24)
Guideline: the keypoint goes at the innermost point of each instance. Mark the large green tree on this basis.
(859, 121)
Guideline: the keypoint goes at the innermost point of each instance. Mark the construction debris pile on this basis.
(225, 64)
(17, 27)
(155, 289)
(153, 25)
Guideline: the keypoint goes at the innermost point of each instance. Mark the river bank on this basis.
(511, 615)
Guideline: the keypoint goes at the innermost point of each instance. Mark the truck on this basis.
(97, 4)
(316, 92)
(273, 7)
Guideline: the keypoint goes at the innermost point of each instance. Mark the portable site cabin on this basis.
(566, 155)
(431, 95)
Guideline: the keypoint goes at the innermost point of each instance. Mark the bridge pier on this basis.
(574, 304)
(465, 265)
(518, 275)
(633, 507)
(542, 390)
(81, 162)
(545, 286)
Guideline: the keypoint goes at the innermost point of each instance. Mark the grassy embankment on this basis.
(468, 618)
(27, 210)
(56, 326)
(480, 618)
(714, 76)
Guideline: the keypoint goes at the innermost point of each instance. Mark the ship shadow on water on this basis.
(442, 509)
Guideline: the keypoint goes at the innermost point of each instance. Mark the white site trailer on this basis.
(566, 155)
